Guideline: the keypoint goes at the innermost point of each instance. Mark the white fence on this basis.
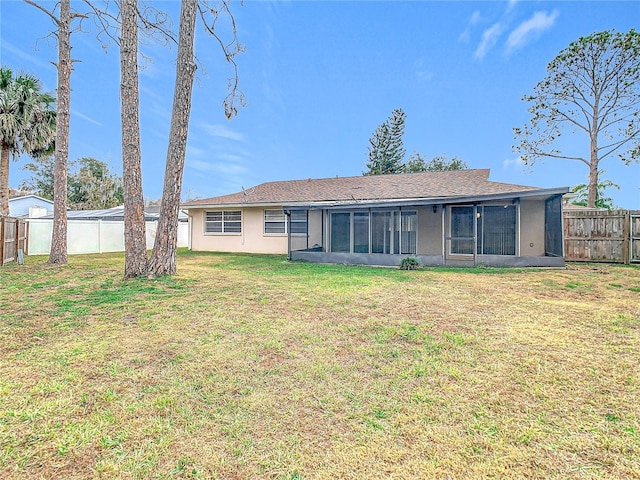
(92, 236)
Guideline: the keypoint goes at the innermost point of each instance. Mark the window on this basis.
(497, 230)
(374, 232)
(223, 221)
(275, 222)
(298, 221)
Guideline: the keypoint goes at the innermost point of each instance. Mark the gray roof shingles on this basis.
(448, 184)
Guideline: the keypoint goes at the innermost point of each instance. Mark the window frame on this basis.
(227, 222)
(293, 222)
(288, 224)
(282, 219)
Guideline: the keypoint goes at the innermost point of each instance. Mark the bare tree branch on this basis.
(46, 12)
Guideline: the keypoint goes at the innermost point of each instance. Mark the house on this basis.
(442, 218)
(30, 206)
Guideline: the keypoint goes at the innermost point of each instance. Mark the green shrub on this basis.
(409, 263)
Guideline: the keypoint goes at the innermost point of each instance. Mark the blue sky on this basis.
(319, 77)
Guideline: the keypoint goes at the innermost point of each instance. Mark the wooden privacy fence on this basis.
(13, 232)
(602, 236)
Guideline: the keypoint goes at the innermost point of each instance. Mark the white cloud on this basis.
(219, 167)
(514, 163)
(199, 165)
(530, 29)
(195, 151)
(231, 157)
(489, 39)
(22, 54)
(230, 169)
(421, 70)
(221, 131)
(465, 36)
(75, 113)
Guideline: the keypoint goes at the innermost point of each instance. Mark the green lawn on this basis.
(253, 367)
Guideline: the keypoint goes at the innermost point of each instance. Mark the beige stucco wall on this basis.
(251, 240)
(315, 228)
(429, 231)
(531, 228)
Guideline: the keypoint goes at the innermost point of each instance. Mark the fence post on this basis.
(25, 241)
(2, 222)
(627, 237)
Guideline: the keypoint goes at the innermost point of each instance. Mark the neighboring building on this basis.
(30, 206)
(97, 231)
(151, 213)
(442, 218)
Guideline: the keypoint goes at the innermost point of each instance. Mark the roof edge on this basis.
(388, 202)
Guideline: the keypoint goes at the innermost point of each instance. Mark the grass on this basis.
(250, 366)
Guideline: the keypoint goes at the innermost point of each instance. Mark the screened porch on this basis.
(506, 232)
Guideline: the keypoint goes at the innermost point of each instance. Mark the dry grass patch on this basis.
(253, 367)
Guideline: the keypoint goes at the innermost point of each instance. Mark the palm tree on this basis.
(27, 124)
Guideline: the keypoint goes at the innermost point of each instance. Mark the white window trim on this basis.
(222, 233)
(264, 223)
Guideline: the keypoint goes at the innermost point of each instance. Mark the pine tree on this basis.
(386, 150)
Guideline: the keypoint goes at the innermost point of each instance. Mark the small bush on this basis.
(409, 263)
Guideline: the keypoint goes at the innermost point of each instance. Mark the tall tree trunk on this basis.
(4, 181)
(592, 191)
(135, 244)
(58, 254)
(163, 258)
